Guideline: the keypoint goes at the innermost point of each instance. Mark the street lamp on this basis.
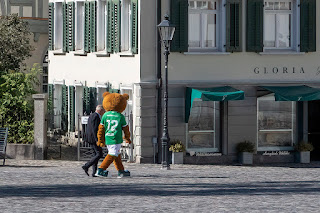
(166, 31)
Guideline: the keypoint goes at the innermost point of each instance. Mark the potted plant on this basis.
(303, 150)
(177, 149)
(245, 151)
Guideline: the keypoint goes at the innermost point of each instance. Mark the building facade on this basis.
(265, 49)
(35, 12)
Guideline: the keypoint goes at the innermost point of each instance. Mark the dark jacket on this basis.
(92, 128)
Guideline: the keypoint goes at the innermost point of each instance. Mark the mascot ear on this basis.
(105, 94)
(126, 96)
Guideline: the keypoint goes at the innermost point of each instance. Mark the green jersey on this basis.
(113, 122)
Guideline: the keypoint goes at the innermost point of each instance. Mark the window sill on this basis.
(80, 53)
(102, 54)
(58, 52)
(126, 54)
(206, 53)
(281, 53)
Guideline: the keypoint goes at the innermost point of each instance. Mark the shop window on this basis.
(276, 124)
(203, 128)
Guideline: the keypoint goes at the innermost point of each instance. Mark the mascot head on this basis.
(115, 102)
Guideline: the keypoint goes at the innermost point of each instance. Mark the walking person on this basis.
(91, 138)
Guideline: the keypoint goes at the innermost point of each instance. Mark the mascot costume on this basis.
(110, 132)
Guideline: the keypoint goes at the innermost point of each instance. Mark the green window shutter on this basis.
(71, 26)
(116, 25)
(179, 17)
(308, 26)
(134, 26)
(93, 25)
(86, 100)
(234, 20)
(50, 106)
(93, 99)
(65, 27)
(254, 25)
(109, 23)
(64, 110)
(51, 25)
(72, 108)
(87, 26)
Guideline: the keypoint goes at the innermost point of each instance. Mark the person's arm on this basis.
(95, 126)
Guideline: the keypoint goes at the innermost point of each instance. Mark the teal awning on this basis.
(294, 93)
(225, 93)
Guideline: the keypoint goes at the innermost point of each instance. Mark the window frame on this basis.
(58, 26)
(293, 130)
(126, 13)
(102, 18)
(79, 42)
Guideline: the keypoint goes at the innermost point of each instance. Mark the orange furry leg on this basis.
(118, 163)
(107, 161)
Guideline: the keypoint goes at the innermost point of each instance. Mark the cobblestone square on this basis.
(62, 186)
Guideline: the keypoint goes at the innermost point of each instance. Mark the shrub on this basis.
(176, 146)
(303, 146)
(245, 146)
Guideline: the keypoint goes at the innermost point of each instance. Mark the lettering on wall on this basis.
(280, 70)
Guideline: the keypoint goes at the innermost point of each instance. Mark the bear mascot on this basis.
(110, 132)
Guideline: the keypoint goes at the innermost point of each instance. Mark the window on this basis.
(125, 25)
(101, 25)
(278, 24)
(80, 22)
(58, 26)
(204, 127)
(276, 124)
(204, 32)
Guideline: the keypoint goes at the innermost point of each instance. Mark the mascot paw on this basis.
(100, 144)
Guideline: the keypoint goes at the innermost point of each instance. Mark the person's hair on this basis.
(99, 108)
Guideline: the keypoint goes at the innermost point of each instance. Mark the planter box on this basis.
(303, 157)
(177, 157)
(246, 158)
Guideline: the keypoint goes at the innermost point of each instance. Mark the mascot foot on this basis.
(102, 173)
(123, 173)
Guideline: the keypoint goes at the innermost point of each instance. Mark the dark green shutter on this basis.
(234, 20)
(85, 101)
(308, 26)
(117, 25)
(71, 26)
(179, 17)
(87, 27)
(64, 27)
(72, 108)
(93, 99)
(134, 26)
(254, 25)
(50, 106)
(110, 29)
(93, 25)
(64, 110)
(51, 26)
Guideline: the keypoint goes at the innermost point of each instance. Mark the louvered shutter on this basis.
(254, 25)
(110, 29)
(86, 101)
(71, 26)
(116, 25)
(134, 26)
(87, 26)
(64, 110)
(50, 106)
(93, 99)
(234, 20)
(179, 17)
(51, 26)
(308, 26)
(64, 27)
(93, 25)
(72, 108)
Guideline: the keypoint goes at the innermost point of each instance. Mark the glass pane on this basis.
(275, 115)
(204, 5)
(266, 139)
(276, 5)
(285, 5)
(199, 4)
(194, 30)
(201, 140)
(212, 5)
(191, 5)
(268, 5)
(201, 116)
(284, 25)
(209, 30)
(270, 30)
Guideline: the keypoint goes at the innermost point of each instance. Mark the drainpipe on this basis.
(159, 86)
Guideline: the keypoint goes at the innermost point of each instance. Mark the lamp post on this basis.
(166, 31)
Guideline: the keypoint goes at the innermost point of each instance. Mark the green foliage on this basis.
(15, 44)
(245, 146)
(303, 146)
(16, 106)
(176, 146)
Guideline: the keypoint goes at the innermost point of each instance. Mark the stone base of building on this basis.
(20, 151)
(140, 159)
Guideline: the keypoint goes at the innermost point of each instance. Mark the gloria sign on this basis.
(278, 70)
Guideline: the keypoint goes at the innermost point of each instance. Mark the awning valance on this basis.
(294, 93)
(225, 93)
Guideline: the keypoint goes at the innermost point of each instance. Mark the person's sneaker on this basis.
(123, 173)
(102, 173)
(85, 170)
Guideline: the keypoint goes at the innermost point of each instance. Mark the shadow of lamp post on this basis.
(166, 31)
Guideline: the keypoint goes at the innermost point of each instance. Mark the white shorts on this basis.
(114, 150)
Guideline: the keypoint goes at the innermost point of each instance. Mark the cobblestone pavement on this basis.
(62, 186)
